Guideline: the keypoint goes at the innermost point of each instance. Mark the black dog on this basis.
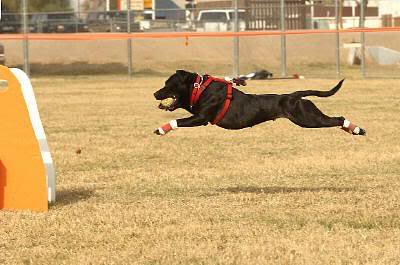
(245, 110)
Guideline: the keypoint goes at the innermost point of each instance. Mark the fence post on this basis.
(362, 25)
(312, 13)
(77, 16)
(337, 39)
(25, 41)
(128, 13)
(236, 41)
(283, 40)
(153, 5)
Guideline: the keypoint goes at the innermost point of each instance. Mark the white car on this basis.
(220, 20)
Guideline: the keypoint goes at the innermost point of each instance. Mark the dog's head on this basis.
(176, 91)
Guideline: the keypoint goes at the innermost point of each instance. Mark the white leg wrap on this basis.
(173, 124)
(161, 131)
(351, 128)
(346, 123)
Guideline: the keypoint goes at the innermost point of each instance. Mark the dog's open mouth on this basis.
(168, 104)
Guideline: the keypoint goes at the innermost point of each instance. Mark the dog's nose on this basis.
(159, 94)
(156, 95)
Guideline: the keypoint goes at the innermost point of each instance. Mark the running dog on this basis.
(215, 101)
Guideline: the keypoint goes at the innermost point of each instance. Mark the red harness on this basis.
(199, 87)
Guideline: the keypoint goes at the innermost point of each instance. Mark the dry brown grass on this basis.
(272, 194)
(310, 55)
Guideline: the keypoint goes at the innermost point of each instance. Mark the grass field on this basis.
(311, 55)
(272, 194)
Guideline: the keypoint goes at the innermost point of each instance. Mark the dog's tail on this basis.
(306, 93)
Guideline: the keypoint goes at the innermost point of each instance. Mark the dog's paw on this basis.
(157, 131)
(362, 132)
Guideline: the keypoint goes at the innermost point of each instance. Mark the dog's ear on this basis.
(183, 75)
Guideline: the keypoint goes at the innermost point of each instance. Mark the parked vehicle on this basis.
(57, 23)
(10, 23)
(220, 20)
(102, 22)
(112, 21)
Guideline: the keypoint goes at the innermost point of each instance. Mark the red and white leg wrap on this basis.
(166, 128)
(350, 127)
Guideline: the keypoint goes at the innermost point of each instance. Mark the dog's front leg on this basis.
(195, 120)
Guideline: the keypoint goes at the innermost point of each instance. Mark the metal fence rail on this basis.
(284, 18)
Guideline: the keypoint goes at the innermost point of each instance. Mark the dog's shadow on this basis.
(274, 190)
(72, 196)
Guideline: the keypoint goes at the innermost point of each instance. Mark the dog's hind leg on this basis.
(352, 128)
(305, 114)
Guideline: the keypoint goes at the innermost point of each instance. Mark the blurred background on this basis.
(317, 38)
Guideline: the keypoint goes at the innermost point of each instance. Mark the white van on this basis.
(220, 20)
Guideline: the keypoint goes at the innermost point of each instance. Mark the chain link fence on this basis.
(318, 44)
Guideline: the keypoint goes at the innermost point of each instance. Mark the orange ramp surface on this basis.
(22, 172)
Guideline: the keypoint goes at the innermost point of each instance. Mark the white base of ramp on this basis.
(30, 100)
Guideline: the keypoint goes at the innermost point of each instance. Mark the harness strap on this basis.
(198, 88)
(195, 91)
(202, 88)
(227, 103)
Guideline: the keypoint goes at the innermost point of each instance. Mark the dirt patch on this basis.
(311, 54)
